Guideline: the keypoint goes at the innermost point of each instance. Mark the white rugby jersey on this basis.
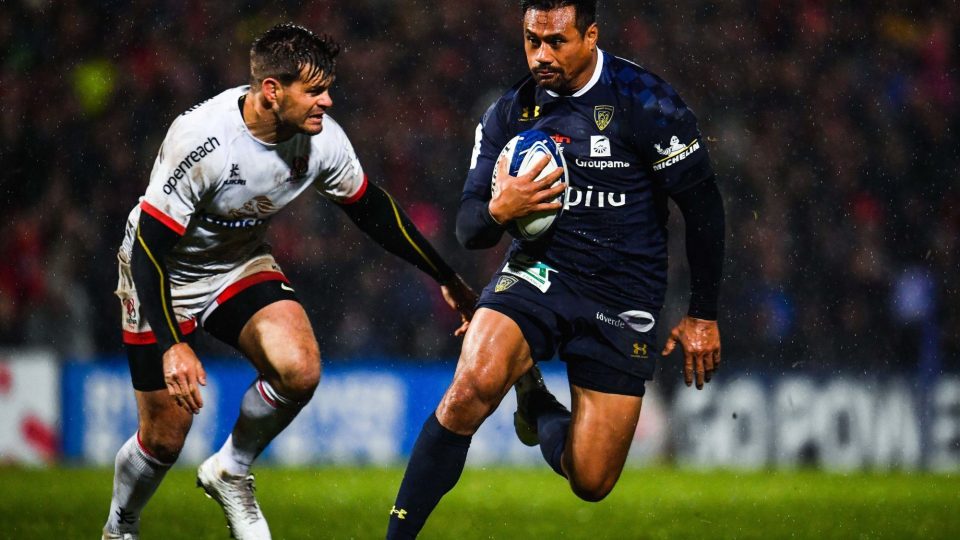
(218, 186)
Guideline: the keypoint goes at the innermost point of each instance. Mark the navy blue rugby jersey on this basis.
(629, 141)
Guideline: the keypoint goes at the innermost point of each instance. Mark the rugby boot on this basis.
(235, 496)
(533, 400)
(107, 535)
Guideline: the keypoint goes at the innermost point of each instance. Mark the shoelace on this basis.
(249, 501)
(245, 489)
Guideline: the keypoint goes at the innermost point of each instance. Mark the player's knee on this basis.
(593, 487)
(301, 374)
(478, 392)
(163, 444)
(466, 404)
(591, 492)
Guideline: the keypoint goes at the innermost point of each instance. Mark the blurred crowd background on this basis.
(834, 130)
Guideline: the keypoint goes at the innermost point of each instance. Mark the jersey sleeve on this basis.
(189, 162)
(490, 137)
(476, 228)
(341, 178)
(668, 138)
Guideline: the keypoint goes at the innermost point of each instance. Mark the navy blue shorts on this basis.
(608, 349)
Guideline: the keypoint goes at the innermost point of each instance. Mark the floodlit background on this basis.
(834, 128)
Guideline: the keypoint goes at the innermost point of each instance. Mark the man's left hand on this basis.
(462, 298)
(700, 340)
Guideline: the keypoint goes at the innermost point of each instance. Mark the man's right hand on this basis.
(182, 371)
(462, 298)
(518, 196)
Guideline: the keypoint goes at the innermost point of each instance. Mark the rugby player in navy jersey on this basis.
(630, 143)
(194, 255)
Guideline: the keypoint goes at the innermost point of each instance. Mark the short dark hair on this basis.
(286, 49)
(586, 9)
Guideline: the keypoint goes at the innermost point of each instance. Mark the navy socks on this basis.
(434, 468)
(552, 429)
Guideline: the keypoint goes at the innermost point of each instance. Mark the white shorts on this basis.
(192, 302)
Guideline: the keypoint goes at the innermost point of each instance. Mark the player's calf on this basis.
(599, 440)
(163, 425)
(137, 474)
(534, 401)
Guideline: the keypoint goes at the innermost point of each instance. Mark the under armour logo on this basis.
(125, 517)
(640, 349)
(401, 513)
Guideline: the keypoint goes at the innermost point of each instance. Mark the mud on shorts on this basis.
(608, 349)
(221, 303)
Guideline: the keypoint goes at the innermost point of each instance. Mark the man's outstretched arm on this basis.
(703, 215)
(379, 216)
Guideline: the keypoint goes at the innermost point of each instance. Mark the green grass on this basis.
(508, 503)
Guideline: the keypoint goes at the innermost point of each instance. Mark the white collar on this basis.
(593, 79)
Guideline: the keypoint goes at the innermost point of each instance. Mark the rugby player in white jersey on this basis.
(194, 255)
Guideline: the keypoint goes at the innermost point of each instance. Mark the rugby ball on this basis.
(522, 153)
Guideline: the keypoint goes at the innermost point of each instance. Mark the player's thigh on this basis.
(494, 355)
(163, 424)
(263, 319)
(279, 340)
(601, 431)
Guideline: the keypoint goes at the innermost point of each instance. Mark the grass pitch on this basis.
(507, 503)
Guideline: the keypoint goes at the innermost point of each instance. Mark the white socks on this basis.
(263, 415)
(136, 476)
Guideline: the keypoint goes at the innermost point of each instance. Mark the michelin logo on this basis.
(675, 153)
(674, 147)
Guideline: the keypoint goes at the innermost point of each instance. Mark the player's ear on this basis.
(272, 90)
(591, 35)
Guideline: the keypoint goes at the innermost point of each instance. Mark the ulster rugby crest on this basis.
(602, 115)
(504, 283)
